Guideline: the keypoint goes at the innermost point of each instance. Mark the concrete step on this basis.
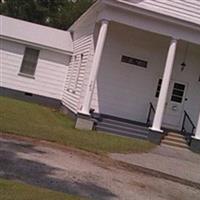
(175, 139)
(134, 134)
(176, 144)
(175, 147)
(175, 135)
(124, 127)
(123, 123)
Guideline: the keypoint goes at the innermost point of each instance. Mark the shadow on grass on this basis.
(35, 173)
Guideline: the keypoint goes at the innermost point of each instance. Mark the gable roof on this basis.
(186, 10)
(34, 34)
(182, 12)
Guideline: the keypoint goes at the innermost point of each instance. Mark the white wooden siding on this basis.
(79, 69)
(49, 76)
(77, 75)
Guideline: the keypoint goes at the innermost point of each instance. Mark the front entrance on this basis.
(174, 107)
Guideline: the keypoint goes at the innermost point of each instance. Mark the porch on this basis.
(146, 78)
(129, 128)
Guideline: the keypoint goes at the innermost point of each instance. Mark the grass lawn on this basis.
(11, 190)
(33, 120)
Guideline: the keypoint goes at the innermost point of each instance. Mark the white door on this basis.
(174, 108)
(175, 105)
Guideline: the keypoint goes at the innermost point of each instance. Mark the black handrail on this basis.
(151, 110)
(188, 133)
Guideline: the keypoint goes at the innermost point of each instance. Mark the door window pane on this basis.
(176, 99)
(179, 86)
(178, 92)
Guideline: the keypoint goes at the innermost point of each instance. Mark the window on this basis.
(134, 61)
(78, 71)
(178, 92)
(29, 61)
(158, 88)
(74, 72)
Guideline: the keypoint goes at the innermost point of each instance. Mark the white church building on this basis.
(129, 67)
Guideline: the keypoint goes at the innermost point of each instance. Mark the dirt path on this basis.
(84, 174)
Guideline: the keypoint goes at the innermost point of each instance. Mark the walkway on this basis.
(175, 162)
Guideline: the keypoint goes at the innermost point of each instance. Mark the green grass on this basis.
(33, 120)
(11, 190)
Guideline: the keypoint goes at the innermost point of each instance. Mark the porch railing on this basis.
(188, 127)
(151, 114)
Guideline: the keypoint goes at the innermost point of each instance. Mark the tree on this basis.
(24, 9)
(55, 13)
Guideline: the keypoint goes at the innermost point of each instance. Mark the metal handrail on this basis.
(188, 134)
(151, 108)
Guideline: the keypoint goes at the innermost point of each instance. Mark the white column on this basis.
(197, 132)
(95, 67)
(157, 122)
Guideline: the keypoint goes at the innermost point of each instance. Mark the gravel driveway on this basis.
(83, 174)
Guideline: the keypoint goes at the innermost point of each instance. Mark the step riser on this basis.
(124, 124)
(123, 128)
(175, 144)
(175, 135)
(171, 146)
(123, 133)
(175, 140)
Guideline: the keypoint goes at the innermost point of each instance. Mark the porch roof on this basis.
(172, 18)
(187, 10)
(162, 17)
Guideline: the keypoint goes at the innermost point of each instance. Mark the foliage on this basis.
(40, 122)
(55, 13)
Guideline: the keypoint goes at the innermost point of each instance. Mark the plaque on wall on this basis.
(134, 61)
